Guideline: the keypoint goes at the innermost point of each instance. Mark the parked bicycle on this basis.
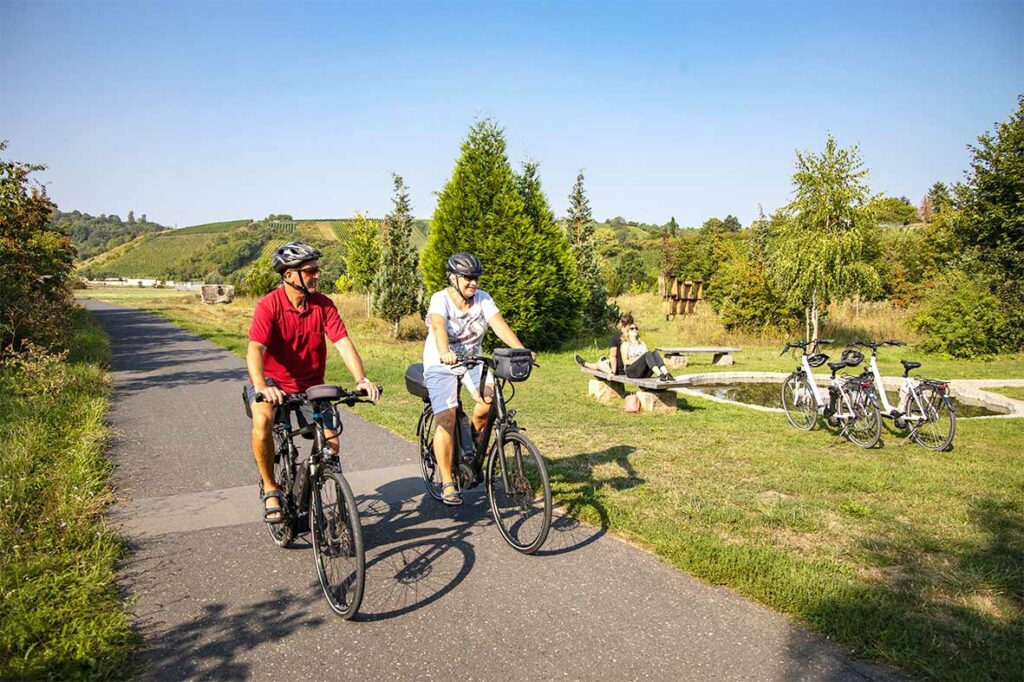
(317, 497)
(517, 479)
(925, 407)
(851, 404)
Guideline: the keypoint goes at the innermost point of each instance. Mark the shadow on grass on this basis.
(938, 609)
(574, 484)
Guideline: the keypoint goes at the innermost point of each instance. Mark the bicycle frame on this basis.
(498, 416)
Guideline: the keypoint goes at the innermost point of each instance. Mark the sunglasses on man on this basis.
(311, 270)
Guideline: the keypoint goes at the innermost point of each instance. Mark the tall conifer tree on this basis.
(397, 287)
(481, 210)
(598, 314)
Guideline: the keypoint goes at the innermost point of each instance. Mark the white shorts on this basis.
(442, 385)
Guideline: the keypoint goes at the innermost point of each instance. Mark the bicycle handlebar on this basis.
(349, 398)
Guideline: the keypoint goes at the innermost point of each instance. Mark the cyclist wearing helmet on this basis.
(287, 353)
(457, 319)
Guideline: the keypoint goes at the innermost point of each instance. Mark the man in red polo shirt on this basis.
(287, 353)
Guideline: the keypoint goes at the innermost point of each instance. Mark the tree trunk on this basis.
(814, 315)
(394, 329)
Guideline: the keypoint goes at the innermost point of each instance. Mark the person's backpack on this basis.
(631, 404)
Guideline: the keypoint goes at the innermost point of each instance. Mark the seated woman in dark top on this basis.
(629, 355)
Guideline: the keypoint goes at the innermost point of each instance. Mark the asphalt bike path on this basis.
(445, 598)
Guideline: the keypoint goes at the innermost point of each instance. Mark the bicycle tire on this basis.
(337, 543)
(865, 429)
(282, 533)
(428, 464)
(798, 402)
(521, 510)
(935, 428)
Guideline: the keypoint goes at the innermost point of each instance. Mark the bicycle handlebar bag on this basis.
(323, 392)
(513, 364)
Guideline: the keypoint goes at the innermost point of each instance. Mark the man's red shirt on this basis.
(296, 352)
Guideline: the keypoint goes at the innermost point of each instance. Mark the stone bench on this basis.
(656, 397)
(677, 357)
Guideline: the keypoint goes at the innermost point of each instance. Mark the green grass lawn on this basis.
(907, 556)
(1015, 392)
(61, 615)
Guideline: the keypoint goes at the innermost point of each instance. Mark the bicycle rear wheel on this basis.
(519, 492)
(798, 402)
(428, 464)
(935, 426)
(337, 543)
(865, 429)
(282, 533)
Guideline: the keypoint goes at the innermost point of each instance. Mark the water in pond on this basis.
(769, 394)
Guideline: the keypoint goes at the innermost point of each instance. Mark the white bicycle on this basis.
(924, 408)
(851, 404)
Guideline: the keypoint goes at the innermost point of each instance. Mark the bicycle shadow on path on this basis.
(418, 550)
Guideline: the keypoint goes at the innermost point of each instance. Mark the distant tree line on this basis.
(92, 235)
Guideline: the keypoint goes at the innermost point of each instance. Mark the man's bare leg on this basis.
(263, 449)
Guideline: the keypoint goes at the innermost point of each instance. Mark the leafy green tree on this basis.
(36, 258)
(131, 217)
(482, 210)
(673, 227)
(989, 225)
(362, 254)
(397, 288)
(893, 211)
(731, 224)
(261, 278)
(817, 254)
(744, 295)
(631, 272)
(598, 313)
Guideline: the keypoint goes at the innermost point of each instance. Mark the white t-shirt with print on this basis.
(466, 328)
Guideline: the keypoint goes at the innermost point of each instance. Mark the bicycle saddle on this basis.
(836, 366)
(908, 365)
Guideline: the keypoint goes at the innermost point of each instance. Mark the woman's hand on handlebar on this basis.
(449, 357)
(270, 394)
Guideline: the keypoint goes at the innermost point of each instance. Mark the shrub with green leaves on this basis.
(962, 319)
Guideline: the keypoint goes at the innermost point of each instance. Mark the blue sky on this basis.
(192, 112)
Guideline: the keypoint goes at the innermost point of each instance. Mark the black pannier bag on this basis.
(414, 381)
(512, 364)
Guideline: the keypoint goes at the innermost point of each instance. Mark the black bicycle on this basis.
(317, 497)
(517, 479)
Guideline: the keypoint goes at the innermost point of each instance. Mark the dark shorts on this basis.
(304, 414)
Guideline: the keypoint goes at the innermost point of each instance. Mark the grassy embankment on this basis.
(907, 556)
(61, 616)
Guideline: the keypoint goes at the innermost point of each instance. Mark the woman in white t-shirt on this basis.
(457, 319)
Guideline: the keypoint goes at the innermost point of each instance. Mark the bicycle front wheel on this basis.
(337, 543)
(519, 492)
(935, 426)
(865, 429)
(798, 402)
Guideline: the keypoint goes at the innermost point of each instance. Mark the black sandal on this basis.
(451, 499)
(279, 510)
